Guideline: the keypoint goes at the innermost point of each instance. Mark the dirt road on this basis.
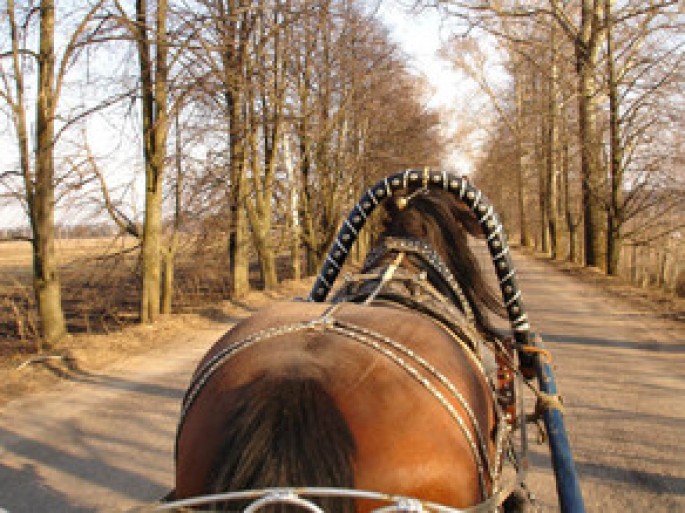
(621, 371)
(105, 444)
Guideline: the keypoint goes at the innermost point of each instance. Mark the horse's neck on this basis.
(410, 273)
(429, 266)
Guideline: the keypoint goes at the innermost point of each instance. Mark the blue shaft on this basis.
(568, 487)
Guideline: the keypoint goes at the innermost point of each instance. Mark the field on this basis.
(100, 289)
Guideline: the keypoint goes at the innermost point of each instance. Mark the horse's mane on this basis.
(439, 219)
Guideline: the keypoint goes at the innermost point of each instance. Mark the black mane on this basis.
(439, 219)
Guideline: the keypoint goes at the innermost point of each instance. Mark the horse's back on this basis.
(394, 421)
(284, 346)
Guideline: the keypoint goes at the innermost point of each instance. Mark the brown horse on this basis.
(388, 388)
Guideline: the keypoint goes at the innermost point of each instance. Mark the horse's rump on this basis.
(317, 407)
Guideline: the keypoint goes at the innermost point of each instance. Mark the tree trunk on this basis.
(615, 210)
(553, 147)
(586, 40)
(266, 257)
(521, 162)
(151, 248)
(172, 246)
(590, 169)
(258, 209)
(168, 278)
(155, 124)
(46, 281)
(565, 190)
(677, 265)
(237, 243)
(234, 28)
(587, 51)
(309, 233)
(542, 158)
(270, 95)
(293, 215)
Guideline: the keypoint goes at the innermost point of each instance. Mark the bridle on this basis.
(430, 258)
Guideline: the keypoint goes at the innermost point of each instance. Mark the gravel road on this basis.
(105, 443)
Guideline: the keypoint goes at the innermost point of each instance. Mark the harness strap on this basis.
(386, 277)
(496, 499)
(435, 262)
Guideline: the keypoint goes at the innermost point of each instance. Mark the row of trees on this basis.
(259, 115)
(587, 119)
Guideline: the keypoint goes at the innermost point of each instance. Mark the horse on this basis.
(389, 387)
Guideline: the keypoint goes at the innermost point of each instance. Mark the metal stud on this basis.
(357, 219)
(337, 254)
(496, 244)
(331, 272)
(482, 209)
(514, 309)
(366, 205)
(396, 182)
(380, 193)
(470, 195)
(454, 184)
(508, 289)
(502, 265)
(346, 236)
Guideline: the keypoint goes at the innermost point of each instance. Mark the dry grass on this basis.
(100, 290)
(77, 357)
(100, 286)
(16, 257)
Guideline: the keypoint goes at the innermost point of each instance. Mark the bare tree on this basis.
(152, 44)
(615, 81)
(37, 173)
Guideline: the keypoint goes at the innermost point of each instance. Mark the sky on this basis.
(421, 34)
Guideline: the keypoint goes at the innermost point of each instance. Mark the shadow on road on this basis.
(87, 467)
(650, 481)
(676, 348)
(41, 497)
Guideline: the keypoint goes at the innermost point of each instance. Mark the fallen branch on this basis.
(46, 357)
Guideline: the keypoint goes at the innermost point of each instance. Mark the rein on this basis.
(300, 496)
